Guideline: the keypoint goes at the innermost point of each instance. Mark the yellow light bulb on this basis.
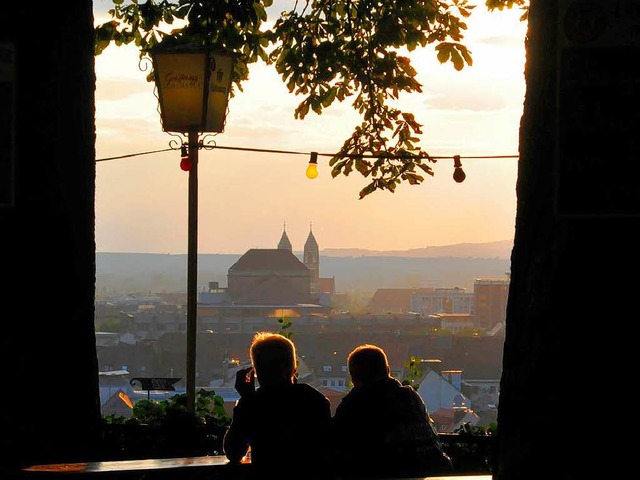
(312, 169)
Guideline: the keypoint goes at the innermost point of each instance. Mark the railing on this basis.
(133, 441)
(470, 453)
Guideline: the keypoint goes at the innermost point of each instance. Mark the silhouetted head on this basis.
(367, 364)
(273, 357)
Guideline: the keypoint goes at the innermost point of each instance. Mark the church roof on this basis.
(285, 243)
(273, 260)
(311, 241)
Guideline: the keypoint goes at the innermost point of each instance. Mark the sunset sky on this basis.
(246, 198)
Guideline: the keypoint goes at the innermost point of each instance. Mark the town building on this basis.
(442, 300)
(490, 297)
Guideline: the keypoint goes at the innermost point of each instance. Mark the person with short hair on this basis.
(382, 428)
(284, 423)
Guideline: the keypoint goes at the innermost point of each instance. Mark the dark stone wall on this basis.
(49, 413)
(575, 260)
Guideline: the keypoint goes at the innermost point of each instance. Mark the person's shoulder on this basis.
(304, 389)
(409, 391)
(402, 394)
(392, 384)
(397, 384)
(308, 389)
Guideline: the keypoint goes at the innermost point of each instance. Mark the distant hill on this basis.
(353, 269)
(499, 249)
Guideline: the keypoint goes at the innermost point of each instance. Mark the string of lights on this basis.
(312, 170)
(291, 152)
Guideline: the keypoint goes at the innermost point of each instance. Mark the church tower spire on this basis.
(311, 259)
(285, 243)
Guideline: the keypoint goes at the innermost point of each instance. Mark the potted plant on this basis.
(164, 428)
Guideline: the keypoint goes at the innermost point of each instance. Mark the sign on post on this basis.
(597, 167)
(162, 384)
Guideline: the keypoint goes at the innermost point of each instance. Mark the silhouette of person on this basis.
(382, 428)
(285, 424)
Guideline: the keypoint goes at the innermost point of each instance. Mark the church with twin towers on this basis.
(310, 256)
(277, 277)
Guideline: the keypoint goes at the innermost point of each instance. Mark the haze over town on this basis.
(246, 198)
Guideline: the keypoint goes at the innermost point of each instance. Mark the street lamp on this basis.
(193, 85)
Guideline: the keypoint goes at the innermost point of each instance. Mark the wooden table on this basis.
(205, 467)
(214, 467)
(129, 465)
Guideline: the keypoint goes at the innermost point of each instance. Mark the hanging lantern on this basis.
(193, 86)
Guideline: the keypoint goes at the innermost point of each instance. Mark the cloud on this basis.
(121, 89)
(457, 96)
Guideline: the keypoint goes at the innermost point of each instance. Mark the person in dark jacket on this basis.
(382, 428)
(284, 424)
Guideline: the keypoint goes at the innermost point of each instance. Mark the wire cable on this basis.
(290, 152)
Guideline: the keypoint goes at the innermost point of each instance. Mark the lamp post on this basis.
(193, 85)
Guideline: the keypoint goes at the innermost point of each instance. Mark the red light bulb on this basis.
(459, 175)
(185, 164)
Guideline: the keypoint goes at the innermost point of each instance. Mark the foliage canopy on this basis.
(324, 50)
